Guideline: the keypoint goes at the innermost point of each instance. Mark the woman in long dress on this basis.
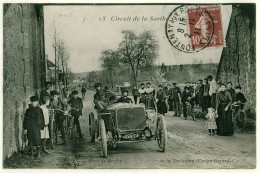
(224, 121)
(161, 103)
(150, 96)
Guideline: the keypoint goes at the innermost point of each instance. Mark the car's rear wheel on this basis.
(103, 136)
(161, 133)
(92, 127)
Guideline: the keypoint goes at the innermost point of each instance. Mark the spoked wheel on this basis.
(102, 130)
(190, 112)
(241, 121)
(161, 133)
(92, 127)
(70, 126)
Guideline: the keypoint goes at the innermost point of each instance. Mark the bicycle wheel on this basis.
(241, 121)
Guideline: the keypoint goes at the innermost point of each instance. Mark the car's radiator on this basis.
(131, 119)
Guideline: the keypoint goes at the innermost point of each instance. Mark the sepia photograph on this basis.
(129, 86)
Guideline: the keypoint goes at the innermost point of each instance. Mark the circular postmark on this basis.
(189, 29)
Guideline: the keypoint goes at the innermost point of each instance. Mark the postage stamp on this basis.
(191, 29)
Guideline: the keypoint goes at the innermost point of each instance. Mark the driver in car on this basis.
(102, 99)
(124, 98)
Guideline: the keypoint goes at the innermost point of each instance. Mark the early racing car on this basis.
(124, 122)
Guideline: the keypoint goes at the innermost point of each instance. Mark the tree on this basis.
(110, 62)
(63, 57)
(163, 68)
(92, 77)
(55, 45)
(138, 51)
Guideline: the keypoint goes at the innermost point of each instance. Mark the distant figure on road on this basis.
(76, 105)
(124, 98)
(83, 91)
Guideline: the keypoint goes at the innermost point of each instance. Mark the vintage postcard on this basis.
(129, 85)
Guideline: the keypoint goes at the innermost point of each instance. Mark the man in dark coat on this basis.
(205, 96)
(239, 97)
(186, 97)
(124, 98)
(33, 124)
(135, 94)
(168, 100)
(190, 88)
(175, 95)
(76, 105)
(101, 98)
(61, 108)
(200, 89)
(46, 92)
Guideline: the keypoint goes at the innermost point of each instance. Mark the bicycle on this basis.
(190, 111)
(67, 125)
(239, 117)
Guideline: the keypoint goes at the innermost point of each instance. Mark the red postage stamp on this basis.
(191, 29)
(200, 22)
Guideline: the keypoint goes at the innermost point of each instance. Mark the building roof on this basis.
(50, 64)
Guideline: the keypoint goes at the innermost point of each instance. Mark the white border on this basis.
(127, 1)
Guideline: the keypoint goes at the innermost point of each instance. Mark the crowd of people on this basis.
(37, 120)
(213, 99)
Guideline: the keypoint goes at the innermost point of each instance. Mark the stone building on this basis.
(238, 59)
(23, 67)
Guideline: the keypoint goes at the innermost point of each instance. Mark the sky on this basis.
(86, 35)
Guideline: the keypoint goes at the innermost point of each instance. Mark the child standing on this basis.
(45, 132)
(212, 126)
(33, 123)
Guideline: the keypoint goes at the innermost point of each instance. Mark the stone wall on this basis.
(238, 59)
(23, 68)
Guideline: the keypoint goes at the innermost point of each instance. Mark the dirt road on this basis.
(189, 146)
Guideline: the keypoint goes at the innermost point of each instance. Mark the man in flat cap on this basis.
(76, 105)
(175, 95)
(61, 108)
(46, 92)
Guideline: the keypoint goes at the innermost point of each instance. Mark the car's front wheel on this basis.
(92, 127)
(161, 133)
(103, 136)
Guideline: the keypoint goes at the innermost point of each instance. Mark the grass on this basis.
(20, 160)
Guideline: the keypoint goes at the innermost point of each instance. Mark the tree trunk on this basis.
(55, 54)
